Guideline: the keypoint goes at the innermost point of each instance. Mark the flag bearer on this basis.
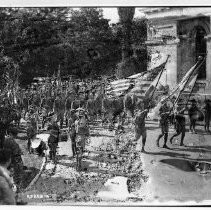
(179, 122)
(164, 124)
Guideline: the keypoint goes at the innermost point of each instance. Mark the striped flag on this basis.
(144, 85)
(190, 85)
(182, 84)
(118, 87)
(184, 88)
(151, 88)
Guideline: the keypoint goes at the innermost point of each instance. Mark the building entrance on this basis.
(201, 49)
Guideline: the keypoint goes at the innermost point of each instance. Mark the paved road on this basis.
(173, 174)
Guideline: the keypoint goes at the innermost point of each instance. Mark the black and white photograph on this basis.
(105, 105)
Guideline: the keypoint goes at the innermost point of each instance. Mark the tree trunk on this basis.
(126, 16)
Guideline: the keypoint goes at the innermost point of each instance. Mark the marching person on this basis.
(53, 139)
(140, 128)
(164, 124)
(72, 117)
(179, 122)
(82, 133)
(31, 131)
(192, 112)
(207, 115)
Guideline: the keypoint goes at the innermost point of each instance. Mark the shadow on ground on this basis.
(170, 154)
(183, 165)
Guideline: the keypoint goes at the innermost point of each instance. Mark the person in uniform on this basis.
(72, 117)
(164, 113)
(31, 131)
(192, 112)
(207, 115)
(53, 139)
(179, 123)
(140, 129)
(82, 134)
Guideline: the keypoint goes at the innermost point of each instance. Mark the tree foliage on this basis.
(81, 41)
(132, 33)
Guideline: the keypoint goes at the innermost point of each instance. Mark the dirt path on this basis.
(175, 174)
(62, 183)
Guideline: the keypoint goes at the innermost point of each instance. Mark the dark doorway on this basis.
(201, 49)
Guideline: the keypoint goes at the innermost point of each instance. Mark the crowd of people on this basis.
(45, 107)
(179, 120)
(49, 106)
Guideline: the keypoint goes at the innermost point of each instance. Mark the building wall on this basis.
(186, 48)
(169, 77)
(167, 32)
(169, 12)
(171, 31)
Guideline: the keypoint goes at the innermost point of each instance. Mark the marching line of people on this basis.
(77, 125)
(177, 118)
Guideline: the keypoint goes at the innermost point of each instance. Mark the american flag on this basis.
(143, 83)
(118, 87)
(187, 83)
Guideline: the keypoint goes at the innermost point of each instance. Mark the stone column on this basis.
(208, 64)
(208, 61)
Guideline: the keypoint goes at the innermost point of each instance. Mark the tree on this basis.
(90, 32)
(27, 32)
(126, 17)
(127, 66)
(133, 34)
(42, 39)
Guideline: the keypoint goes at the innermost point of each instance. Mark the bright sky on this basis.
(112, 14)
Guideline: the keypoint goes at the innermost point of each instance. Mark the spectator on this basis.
(7, 196)
(16, 159)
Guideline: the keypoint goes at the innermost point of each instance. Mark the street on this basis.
(180, 173)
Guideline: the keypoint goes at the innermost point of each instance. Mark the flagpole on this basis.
(178, 86)
(159, 77)
(187, 82)
(191, 92)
